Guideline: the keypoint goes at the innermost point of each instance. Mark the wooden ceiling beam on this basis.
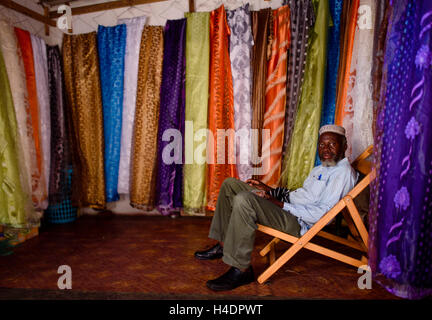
(30, 13)
(104, 6)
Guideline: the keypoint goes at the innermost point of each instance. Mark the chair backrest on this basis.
(361, 164)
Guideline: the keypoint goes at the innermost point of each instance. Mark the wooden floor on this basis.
(151, 257)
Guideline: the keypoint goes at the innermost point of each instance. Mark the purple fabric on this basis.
(172, 116)
(401, 198)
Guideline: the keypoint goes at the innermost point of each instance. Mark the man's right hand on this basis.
(259, 185)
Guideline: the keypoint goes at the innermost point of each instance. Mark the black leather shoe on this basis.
(214, 252)
(232, 279)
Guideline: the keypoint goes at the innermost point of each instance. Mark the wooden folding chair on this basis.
(347, 207)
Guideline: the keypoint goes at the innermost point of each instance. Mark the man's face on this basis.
(330, 149)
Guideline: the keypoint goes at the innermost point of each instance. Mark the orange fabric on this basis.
(274, 116)
(221, 108)
(24, 42)
(345, 72)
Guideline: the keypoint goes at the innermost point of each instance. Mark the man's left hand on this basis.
(271, 199)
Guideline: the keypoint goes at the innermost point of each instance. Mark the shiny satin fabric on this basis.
(302, 18)
(41, 77)
(400, 241)
(303, 146)
(24, 43)
(134, 28)
(196, 111)
(345, 64)
(169, 183)
(84, 112)
(144, 144)
(17, 80)
(15, 203)
(111, 51)
(261, 33)
(221, 165)
(59, 140)
(240, 46)
(275, 95)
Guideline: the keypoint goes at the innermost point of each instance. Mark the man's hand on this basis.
(259, 185)
(265, 195)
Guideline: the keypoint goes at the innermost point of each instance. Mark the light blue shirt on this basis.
(321, 190)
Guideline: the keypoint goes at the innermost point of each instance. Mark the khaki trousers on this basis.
(235, 220)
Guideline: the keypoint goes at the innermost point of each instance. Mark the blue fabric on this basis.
(111, 50)
(329, 104)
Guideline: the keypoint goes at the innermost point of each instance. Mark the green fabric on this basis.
(197, 93)
(303, 146)
(14, 203)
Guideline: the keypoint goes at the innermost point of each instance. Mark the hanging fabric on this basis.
(41, 78)
(25, 45)
(401, 241)
(16, 209)
(134, 28)
(82, 82)
(17, 80)
(301, 155)
(111, 51)
(169, 183)
(302, 18)
(261, 28)
(358, 113)
(240, 46)
(274, 116)
(144, 146)
(221, 161)
(345, 62)
(197, 91)
(59, 139)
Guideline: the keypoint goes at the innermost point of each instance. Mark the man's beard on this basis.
(329, 163)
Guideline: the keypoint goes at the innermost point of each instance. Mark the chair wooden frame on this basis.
(346, 206)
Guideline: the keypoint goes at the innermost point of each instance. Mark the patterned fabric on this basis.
(144, 145)
(134, 28)
(111, 50)
(261, 32)
(302, 18)
(169, 185)
(400, 237)
(15, 203)
(84, 112)
(197, 90)
(41, 74)
(59, 139)
(241, 42)
(282, 194)
(24, 42)
(221, 165)
(274, 116)
(16, 75)
(301, 156)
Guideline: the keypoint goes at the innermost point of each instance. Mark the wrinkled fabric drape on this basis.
(400, 239)
(39, 184)
(144, 144)
(84, 111)
(274, 116)
(169, 185)
(302, 18)
(134, 28)
(221, 151)
(301, 156)
(16, 75)
(197, 90)
(240, 46)
(59, 132)
(41, 78)
(15, 203)
(111, 50)
(345, 62)
(261, 28)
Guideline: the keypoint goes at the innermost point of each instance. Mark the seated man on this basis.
(240, 206)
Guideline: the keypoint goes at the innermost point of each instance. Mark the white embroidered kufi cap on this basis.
(332, 128)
